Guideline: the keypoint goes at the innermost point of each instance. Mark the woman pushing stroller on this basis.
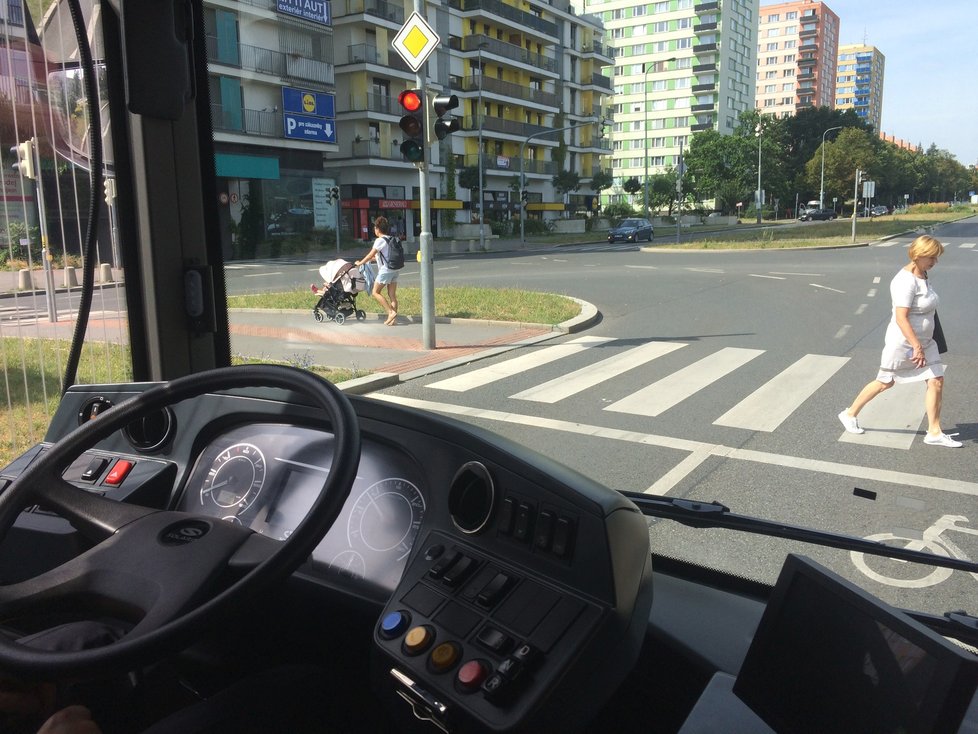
(380, 253)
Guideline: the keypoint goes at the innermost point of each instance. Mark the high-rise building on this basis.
(681, 66)
(305, 98)
(859, 84)
(797, 47)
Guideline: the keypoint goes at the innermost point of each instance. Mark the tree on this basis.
(632, 185)
(566, 181)
(468, 178)
(852, 149)
(600, 181)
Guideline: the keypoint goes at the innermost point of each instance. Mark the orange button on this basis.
(417, 640)
(444, 656)
(118, 472)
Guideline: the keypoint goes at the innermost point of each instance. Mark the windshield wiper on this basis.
(715, 515)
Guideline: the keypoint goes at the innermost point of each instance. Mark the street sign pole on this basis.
(415, 42)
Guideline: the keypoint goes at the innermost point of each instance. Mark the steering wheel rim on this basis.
(119, 529)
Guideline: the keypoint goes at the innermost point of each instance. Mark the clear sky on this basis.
(930, 48)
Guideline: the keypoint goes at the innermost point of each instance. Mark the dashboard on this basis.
(265, 476)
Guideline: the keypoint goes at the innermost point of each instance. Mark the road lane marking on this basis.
(825, 288)
(510, 367)
(843, 330)
(893, 419)
(643, 267)
(772, 277)
(259, 275)
(807, 275)
(876, 279)
(966, 245)
(862, 308)
(671, 390)
(591, 375)
(853, 471)
(770, 405)
(704, 270)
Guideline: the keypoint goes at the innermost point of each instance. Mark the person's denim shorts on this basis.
(386, 276)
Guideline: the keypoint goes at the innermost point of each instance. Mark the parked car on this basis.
(879, 211)
(812, 215)
(632, 230)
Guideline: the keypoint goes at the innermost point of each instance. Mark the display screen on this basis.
(828, 657)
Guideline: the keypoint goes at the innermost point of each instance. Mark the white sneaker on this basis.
(850, 423)
(943, 439)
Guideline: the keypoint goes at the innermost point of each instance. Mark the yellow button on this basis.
(444, 656)
(417, 639)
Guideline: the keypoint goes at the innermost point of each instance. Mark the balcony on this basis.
(380, 103)
(493, 162)
(275, 63)
(510, 90)
(703, 107)
(808, 33)
(600, 80)
(510, 127)
(705, 87)
(599, 51)
(704, 27)
(807, 61)
(375, 8)
(704, 68)
(510, 51)
(374, 149)
(502, 10)
(248, 122)
(364, 53)
(700, 127)
(704, 48)
(710, 7)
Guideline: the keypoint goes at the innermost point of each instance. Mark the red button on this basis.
(118, 472)
(471, 675)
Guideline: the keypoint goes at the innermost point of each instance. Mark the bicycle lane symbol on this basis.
(932, 541)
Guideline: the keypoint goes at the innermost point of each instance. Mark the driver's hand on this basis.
(70, 720)
(22, 702)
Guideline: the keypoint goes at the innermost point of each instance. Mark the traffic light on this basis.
(334, 194)
(25, 158)
(445, 126)
(412, 124)
(524, 198)
(109, 184)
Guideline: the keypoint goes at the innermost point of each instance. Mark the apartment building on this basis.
(305, 98)
(680, 66)
(797, 47)
(859, 84)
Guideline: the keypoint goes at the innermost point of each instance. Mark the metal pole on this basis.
(482, 196)
(645, 147)
(757, 194)
(523, 175)
(679, 191)
(855, 199)
(426, 243)
(821, 188)
(339, 219)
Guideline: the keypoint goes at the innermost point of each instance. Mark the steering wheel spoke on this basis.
(168, 574)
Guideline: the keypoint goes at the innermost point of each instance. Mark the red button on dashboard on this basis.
(471, 675)
(118, 472)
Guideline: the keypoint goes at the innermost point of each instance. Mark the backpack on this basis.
(395, 253)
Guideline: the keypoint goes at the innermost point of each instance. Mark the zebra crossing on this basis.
(893, 420)
(906, 243)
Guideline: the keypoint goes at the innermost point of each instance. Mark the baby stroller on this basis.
(338, 299)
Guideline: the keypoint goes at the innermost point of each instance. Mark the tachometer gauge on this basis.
(235, 478)
(386, 516)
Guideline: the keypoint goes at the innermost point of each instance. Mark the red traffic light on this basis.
(410, 99)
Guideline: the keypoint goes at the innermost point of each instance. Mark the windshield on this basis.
(720, 375)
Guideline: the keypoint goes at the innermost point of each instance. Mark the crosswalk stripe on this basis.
(967, 245)
(507, 368)
(669, 391)
(579, 380)
(769, 406)
(893, 419)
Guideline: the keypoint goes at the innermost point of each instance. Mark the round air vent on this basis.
(152, 431)
(472, 498)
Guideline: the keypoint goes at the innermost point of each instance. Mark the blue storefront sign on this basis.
(304, 127)
(317, 11)
(308, 102)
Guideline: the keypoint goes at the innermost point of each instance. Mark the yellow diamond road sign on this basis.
(415, 41)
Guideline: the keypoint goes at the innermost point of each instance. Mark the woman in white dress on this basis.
(910, 353)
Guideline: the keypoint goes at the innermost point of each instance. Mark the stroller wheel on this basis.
(361, 314)
(318, 315)
(339, 317)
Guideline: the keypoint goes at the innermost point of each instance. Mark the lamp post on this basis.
(650, 66)
(482, 197)
(821, 187)
(757, 194)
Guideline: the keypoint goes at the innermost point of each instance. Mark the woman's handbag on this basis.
(939, 335)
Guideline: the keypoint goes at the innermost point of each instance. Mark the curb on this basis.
(361, 385)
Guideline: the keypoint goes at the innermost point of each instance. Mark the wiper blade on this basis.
(716, 515)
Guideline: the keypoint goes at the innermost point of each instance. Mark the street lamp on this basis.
(757, 194)
(821, 188)
(482, 197)
(650, 66)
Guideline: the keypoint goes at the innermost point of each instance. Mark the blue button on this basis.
(394, 624)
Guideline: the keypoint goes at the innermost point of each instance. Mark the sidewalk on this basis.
(391, 354)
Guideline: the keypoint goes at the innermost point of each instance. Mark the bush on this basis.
(615, 212)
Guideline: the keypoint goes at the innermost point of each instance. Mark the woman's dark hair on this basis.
(382, 224)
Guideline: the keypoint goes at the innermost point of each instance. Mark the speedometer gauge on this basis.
(386, 517)
(235, 478)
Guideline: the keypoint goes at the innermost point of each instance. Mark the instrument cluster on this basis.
(266, 477)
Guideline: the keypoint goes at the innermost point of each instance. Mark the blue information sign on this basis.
(304, 127)
(318, 11)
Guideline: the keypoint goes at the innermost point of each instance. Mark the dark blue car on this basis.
(631, 230)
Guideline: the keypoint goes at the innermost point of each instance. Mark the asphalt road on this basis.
(747, 358)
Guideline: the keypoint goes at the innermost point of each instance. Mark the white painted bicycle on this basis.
(933, 541)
